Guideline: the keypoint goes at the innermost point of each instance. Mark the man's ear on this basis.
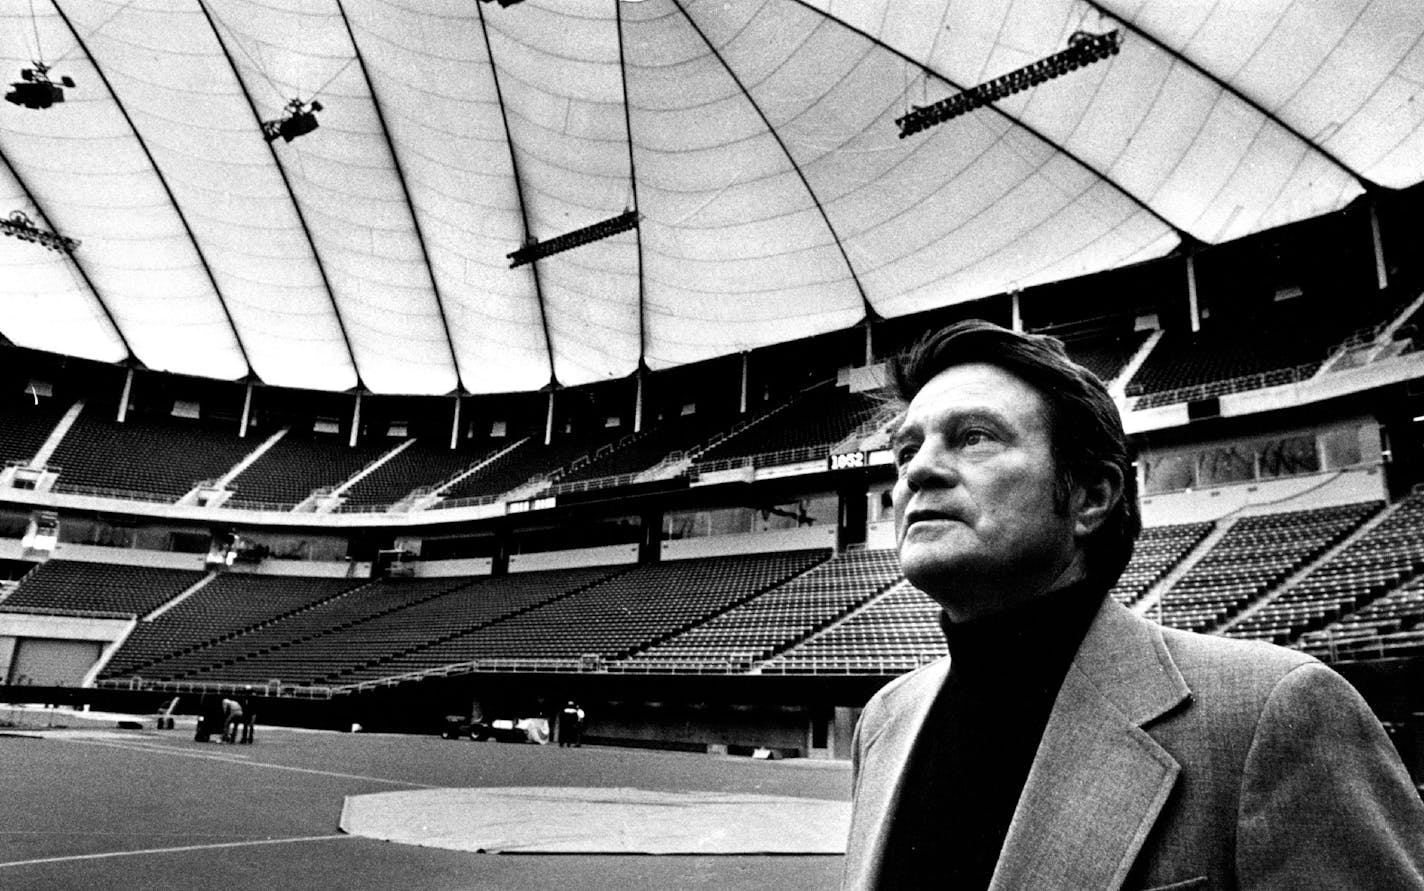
(1095, 497)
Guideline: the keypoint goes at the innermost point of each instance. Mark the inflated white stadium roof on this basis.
(756, 140)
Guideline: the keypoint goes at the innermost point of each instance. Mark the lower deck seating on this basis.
(628, 612)
(783, 616)
(895, 633)
(72, 586)
(1341, 599)
(226, 606)
(1254, 556)
(1158, 550)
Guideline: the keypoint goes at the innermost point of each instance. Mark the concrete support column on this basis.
(246, 412)
(638, 403)
(1381, 271)
(1193, 307)
(549, 421)
(455, 424)
(124, 399)
(746, 364)
(355, 420)
(1016, 310)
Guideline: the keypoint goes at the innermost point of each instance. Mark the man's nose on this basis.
(929, 466)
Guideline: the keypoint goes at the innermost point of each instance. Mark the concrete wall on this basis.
(610, 555)
(128, 556)
(750, 543)
(309, 568)
(450, 568)
(697, 727)
(1266, 496)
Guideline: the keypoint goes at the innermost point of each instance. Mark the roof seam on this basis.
(163, 181)
(815, 199)
(405, 190)
(296, 205)
(519, 193)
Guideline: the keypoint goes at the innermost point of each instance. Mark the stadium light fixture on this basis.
(19, 225)
(1084, 49)
(35, 89)
(299, 120)
(537, 250)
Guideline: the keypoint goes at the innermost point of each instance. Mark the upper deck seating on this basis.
(646, 449)
(819, 418)
(775, 620)
(419, 465)
(296, 465)
(160, 457)
(65, 585)
(530, 460)
(1185, 365)
(893, 634)
(1158, 550)
(1106, 356)
(25, 426)
(1255, 555)
(228, 605)
(1380, 560)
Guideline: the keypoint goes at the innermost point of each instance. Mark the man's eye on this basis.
(904, 454)
(974, 437)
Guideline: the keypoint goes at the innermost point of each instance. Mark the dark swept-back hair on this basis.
(1085, 429)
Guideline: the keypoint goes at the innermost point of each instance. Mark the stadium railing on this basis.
(276, 689)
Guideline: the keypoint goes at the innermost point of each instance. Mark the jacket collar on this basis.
(1097, 774)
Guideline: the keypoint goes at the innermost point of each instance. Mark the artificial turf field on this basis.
(145, 809)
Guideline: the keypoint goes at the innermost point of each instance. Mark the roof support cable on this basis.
(296, 205)
(519, 193)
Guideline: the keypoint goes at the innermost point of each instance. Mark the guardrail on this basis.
(272, 688)
(63, 488)
(475, 666)
(74, 613)
(764, 459)
(1242, 383)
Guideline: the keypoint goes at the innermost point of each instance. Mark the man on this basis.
(232, 719)
(1067, 743)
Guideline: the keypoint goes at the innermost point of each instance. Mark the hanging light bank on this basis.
(298, 119)
(35, 89)
(1083, 49)
(537, 250)
(19, 225)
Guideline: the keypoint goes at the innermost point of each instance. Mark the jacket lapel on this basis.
(1098, 781)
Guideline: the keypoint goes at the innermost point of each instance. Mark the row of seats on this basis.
(24, 427)
(71, 585)
(1255, 555)
(1159, 550)
(796, 612)
(1342, 598)
(225, 606)
(150, 455)
(781, 617)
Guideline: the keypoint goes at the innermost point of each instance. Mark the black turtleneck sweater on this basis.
(970, 763)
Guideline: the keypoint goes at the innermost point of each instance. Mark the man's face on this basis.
(975, 518)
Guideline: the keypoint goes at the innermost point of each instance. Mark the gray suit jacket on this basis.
(1175, 760)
